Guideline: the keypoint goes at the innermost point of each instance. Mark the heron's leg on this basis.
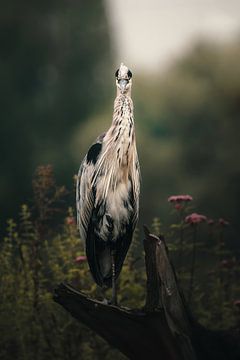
(101, 293)
(114, 289)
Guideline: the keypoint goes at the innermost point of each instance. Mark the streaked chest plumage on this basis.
(114, 185)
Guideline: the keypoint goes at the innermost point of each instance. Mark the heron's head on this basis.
(123, 80)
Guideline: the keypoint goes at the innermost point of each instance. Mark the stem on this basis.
(180, 254)
(114, 289)
(221, 287)
(192, 272)
(180, 246)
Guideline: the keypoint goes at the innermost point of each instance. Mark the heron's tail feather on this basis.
(105, 265)
(99, 257)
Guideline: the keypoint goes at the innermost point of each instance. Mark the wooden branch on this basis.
(171, 299)
(136, 334)
(164, 329)
(153, 285)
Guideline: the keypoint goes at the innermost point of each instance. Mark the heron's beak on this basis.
(123, 83)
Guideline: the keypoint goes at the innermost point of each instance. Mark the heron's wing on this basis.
(98, 252)
(87, 213)
(86, 210)
(85, 192)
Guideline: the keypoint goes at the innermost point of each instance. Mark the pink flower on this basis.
(179, 198)
(223, 222)
(70, 220)
(237, 303)
(211, 272)
(228, 264)
(80, 258)
(178, 206)
(210, 221)
(195, 218)
(224, 263)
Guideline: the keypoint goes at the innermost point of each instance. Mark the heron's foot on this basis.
(113, 301)
(105, 301)
(102, 294)
(109, 302)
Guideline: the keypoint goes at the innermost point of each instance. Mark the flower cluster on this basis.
(70, 220)
(237, 303)
(228, 263)
(179, 198)
(223, 222)
(210, 222)
(179, 201)
(80, 258)
(195, 218)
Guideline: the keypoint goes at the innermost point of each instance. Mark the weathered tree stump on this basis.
(164, 329)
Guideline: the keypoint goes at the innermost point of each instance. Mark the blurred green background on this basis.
(57, 74)
(57, 66)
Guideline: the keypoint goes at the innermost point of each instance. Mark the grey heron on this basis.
(107, 193)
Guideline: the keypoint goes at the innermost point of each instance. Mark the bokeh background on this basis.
(57, 65)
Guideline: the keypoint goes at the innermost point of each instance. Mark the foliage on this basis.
(38, 253)
(56, 76)
(187, 123)
(187, 126)
(207, 266)
(55, 57)
(35, 256)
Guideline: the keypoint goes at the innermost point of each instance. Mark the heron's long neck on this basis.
(119, 154)
(119, 143)
(123, 111)
(122, 129)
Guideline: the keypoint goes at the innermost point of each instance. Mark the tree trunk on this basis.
(163, 329)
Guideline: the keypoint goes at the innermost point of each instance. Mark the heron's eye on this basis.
(116, 73)
(129, 74)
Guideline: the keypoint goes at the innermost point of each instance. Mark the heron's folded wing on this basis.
(85, 191)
